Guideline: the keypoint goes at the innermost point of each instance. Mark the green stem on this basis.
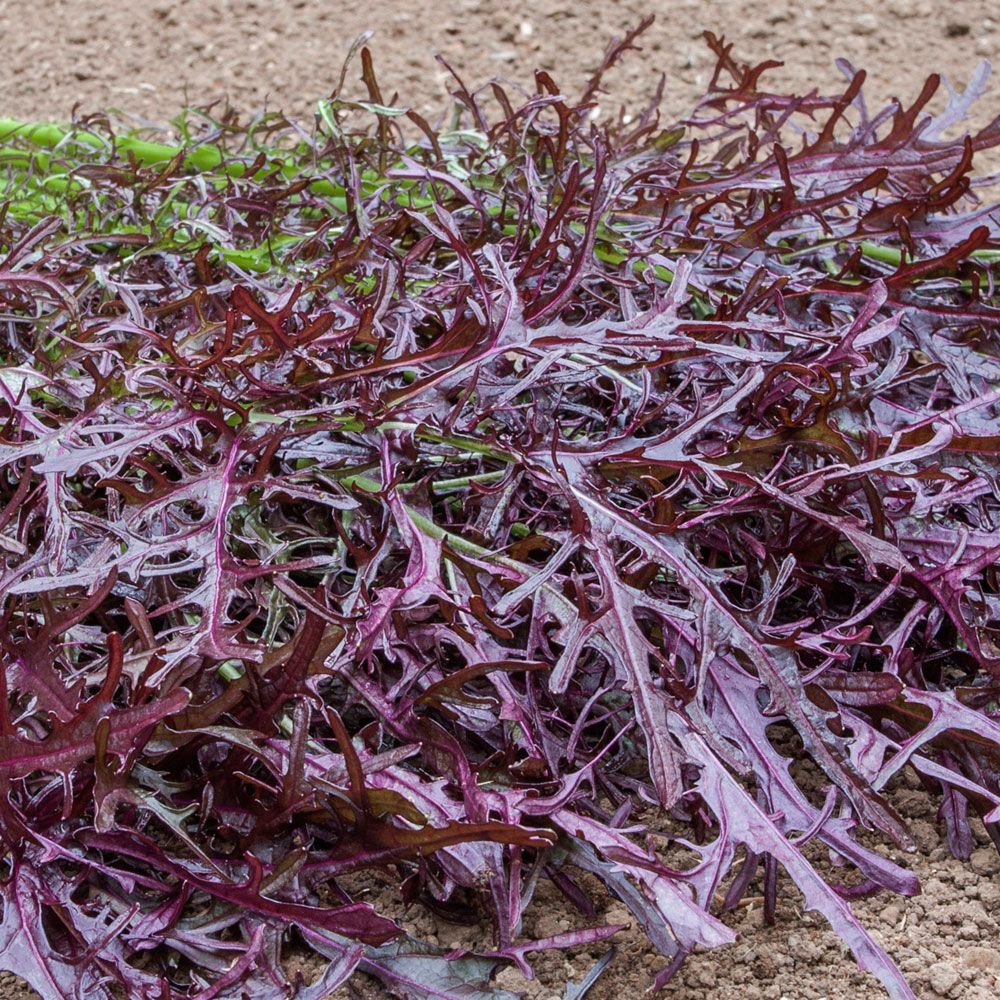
(894, 256)
(461, 482)
(877, 251)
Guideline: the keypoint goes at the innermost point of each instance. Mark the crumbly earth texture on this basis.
(150, 57)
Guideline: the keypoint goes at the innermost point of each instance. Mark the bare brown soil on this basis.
(150, 57)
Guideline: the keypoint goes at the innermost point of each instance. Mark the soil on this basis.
(150, 57)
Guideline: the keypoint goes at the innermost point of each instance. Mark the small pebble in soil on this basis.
(943, 978)
(866, 24)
